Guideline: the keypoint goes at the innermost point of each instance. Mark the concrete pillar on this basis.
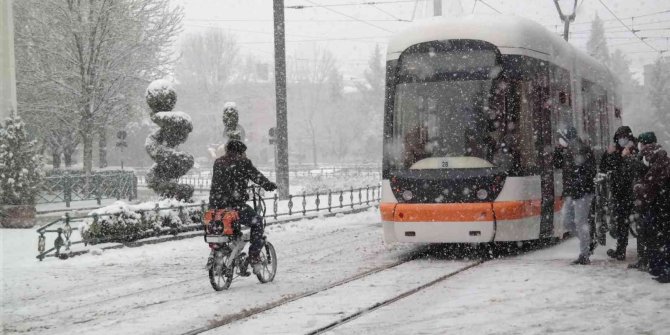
(7, 70)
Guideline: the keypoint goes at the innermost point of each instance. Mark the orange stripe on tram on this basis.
(387, 209)
(443, 212)
(463, 212)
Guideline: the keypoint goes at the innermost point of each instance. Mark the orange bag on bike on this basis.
(214, 218)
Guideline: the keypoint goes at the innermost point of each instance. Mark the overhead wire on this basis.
(389, 14)
(351, 17)
(624, 24)
(489, 6)
(629, 17)
(367, 3)
(312, 38)
(297, 20)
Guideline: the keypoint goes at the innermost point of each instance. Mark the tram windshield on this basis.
(448, 113)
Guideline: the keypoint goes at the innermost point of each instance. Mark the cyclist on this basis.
(232, 173)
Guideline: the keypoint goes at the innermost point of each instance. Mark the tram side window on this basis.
(561, 100)
(527, 136)
(591, 113)
(604, 122)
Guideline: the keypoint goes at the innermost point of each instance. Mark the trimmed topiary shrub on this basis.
(174, 129)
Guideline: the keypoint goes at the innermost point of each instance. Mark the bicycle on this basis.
(227, 261)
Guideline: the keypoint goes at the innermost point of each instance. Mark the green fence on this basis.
(68, 187)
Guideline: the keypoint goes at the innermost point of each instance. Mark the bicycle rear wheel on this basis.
(219, 276)
(268, 263)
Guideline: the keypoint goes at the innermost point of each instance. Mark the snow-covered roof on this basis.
(512, 35)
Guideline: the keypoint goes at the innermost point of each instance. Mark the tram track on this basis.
(344, 314)
(226, 320)
(364, 311)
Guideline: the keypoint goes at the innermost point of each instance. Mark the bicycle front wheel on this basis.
(268, 263)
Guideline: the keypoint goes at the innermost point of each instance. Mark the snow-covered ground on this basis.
(163, 288)
(536, 293)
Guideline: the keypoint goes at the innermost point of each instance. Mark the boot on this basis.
(244, 266)
(581, 260)
(620, 256)
(663, 279)
(255, 262)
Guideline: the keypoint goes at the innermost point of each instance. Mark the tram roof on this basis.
(513, 35)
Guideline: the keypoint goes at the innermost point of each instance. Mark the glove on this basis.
(270, 186)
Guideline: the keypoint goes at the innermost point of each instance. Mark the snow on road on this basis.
(164, 289)
(319, 310)
(536, 293)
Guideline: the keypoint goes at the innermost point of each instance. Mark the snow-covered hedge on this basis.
(121, 222)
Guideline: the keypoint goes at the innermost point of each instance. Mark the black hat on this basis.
(235, 146)
(647, 138)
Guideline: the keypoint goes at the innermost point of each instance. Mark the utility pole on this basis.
(437, 7)
(281, 163)
(566, 18)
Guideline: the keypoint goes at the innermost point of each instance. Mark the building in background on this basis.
(7, 71)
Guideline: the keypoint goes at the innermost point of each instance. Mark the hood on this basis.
(653, 153)
(623, 130)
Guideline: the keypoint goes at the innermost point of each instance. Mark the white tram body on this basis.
(472, 111)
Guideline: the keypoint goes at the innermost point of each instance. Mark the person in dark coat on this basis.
(232, 173)
(579, 170)
(653, 198)
(622, 180)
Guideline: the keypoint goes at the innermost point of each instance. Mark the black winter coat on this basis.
(623, 176)
(653, 191)
(230, 180)
(623, 172)
(579, 169)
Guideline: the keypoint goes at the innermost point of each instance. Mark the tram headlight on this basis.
(482, 194)
(407, 195)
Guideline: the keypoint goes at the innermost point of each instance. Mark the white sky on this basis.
(352, 41)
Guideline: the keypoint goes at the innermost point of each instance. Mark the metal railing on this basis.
(202, 179)
(295, 207)
(77, 187)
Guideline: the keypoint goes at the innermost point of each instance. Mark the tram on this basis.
(472, 111)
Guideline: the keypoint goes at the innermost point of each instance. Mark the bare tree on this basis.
(208, 63)
(372, 105)
(100, 53)
(310, 90)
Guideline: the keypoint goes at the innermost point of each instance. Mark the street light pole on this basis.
(281, 163)
(566, 18)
